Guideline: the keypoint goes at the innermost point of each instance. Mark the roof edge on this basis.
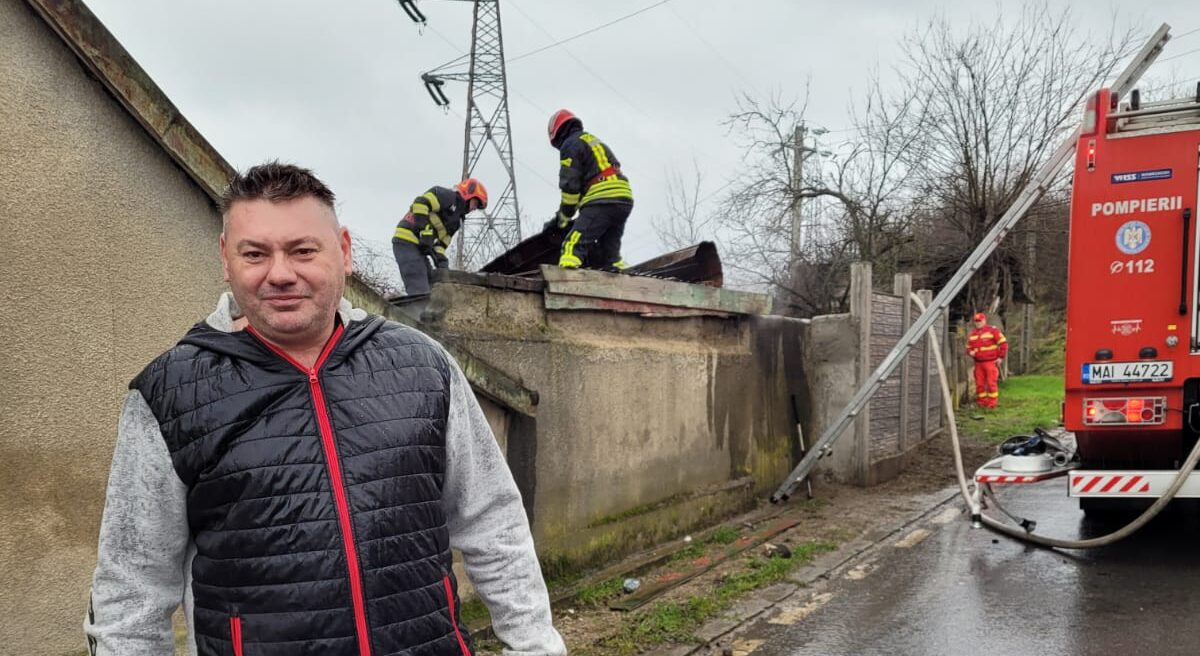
(107, 60)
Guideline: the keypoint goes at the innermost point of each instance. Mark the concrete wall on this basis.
(107, 258)
(645, 427)
(840, 353)
(831, 349)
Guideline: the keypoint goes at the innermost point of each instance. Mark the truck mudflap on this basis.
(1115, 484)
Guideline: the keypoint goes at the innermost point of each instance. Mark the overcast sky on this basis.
(334, 85)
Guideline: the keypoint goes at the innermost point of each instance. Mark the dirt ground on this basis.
(837, 515)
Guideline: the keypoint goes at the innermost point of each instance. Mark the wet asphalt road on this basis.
(969, 591)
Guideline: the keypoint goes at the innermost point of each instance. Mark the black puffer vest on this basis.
(314, 497)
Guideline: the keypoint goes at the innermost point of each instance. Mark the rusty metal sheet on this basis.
(528, 256)
(697, 264)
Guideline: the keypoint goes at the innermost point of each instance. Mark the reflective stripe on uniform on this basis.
(598, 151)
(973, 338)
(442, 235)
(420, 208)
(620, 264)
(433, 201)
(570, 199)
(404, 234)
(568, 259)
(439, 250)
(617, 188)
(993, 347)
(611, 186)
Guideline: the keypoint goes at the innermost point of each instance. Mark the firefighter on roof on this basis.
(987, 345)
(591, 181)
(425, 232)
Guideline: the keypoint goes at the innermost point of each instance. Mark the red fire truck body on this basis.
(1133, 328)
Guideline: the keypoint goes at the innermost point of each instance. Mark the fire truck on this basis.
(1133, 299)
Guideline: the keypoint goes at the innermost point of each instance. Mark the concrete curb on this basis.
(821, 569)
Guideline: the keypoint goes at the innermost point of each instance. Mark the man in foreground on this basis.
(298, 485)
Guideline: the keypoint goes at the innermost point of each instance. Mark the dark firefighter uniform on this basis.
(425, 232)
(592, 183)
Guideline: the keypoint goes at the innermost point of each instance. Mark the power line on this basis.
(1180, 36)
(585, 32)
(715, 50)
(463, 55)
(1167, 59)
(443, 37)
(535, 172)
(579, 61)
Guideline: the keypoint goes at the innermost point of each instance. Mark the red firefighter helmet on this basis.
(473, 189)
(559, 119)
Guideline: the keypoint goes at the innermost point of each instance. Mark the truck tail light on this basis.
(1145, 411)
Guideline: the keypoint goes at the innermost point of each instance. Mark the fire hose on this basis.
(1026, 534)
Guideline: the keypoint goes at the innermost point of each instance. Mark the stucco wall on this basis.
(108, 257)
(644, 427)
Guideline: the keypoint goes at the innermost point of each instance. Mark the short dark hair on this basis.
(275, 182)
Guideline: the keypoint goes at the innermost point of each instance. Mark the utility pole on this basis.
(798, 150)
(797, 214)
(1027, 318)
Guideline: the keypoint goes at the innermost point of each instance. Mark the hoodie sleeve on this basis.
(488, 525)
(144, 537)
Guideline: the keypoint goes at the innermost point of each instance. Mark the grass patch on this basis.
(1050, 352)
(1025, 402)
(600, 593)
(725, 535)
(678, 621)
(722, 535)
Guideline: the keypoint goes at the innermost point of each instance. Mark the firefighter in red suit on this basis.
(987, 345)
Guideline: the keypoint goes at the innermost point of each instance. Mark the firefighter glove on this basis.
(557, 222)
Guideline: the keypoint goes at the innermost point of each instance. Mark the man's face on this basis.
(286, 264)
(980, 323)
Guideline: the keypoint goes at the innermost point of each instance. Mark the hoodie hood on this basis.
(223, 332)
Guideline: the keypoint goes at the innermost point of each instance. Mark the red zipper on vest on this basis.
(335, 480)
(235, 634)
(462, 644)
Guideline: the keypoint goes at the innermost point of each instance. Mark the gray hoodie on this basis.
(143, 572)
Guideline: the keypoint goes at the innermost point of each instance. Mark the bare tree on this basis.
(993, 102)
(870, 200)
(684, 225)
(375, 265)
